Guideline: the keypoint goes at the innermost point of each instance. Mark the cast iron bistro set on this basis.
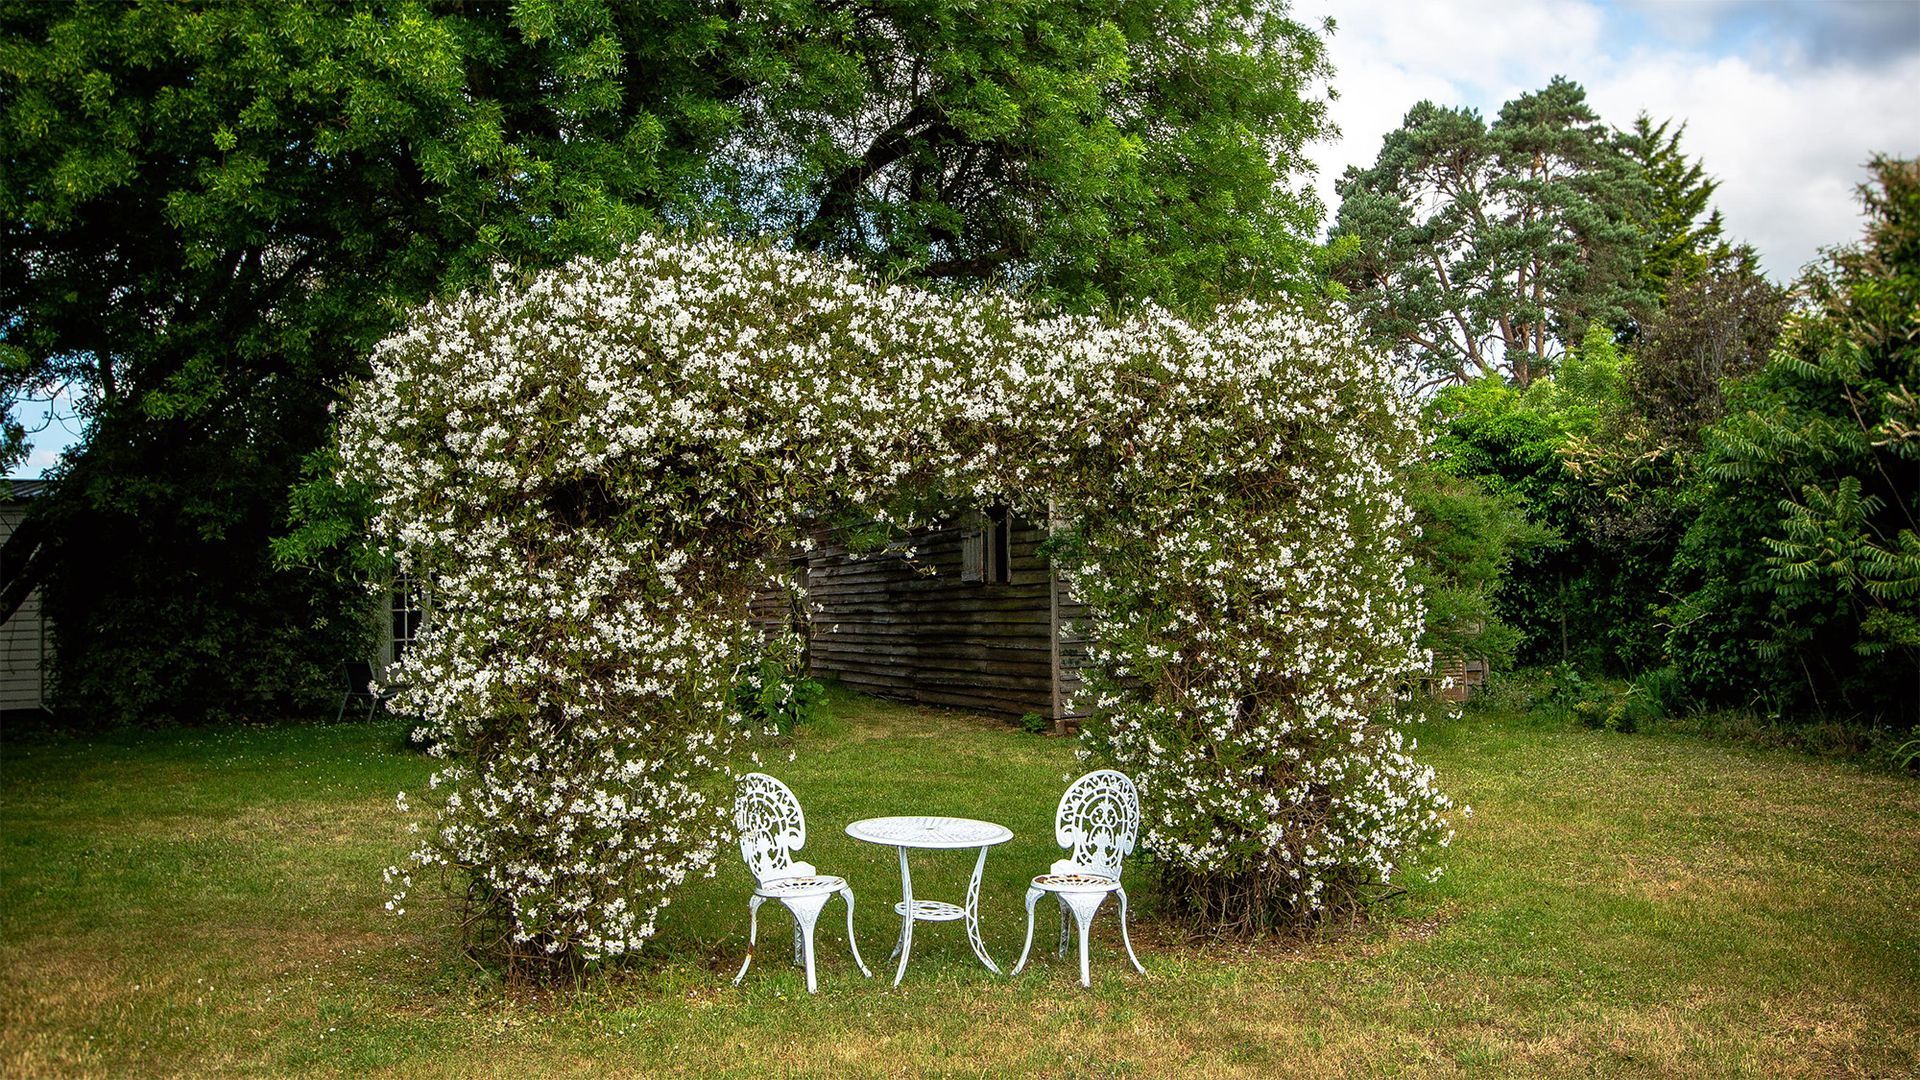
(1098, 822)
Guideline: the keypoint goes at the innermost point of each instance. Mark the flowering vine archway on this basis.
(600, 466)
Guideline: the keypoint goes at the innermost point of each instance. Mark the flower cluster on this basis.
(597, 468)
(1252, 627)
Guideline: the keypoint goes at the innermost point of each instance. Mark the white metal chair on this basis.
(1099, 822)
(359, 676)
(772, 827)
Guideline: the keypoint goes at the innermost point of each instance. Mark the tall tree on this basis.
(1683, 230)
(1473, 248)
(211, 212)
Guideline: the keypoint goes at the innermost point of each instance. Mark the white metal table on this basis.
(937, 833)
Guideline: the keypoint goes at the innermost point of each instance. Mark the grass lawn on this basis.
(1617, 905)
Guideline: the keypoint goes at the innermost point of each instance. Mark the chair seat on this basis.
(811, 885)
(1075, 883)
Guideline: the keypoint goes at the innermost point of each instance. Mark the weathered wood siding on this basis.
(1468, 677)
(23, 638)
(907, 627)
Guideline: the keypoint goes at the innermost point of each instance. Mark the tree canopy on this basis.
(1091, 151)
(1717, 325)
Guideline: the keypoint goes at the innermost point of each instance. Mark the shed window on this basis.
(405, 609)
(986, 548)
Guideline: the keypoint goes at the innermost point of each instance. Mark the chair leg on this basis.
(1033, 896)
(753, 934)
(806, 912)
(1084, 905)
(1124, 938)
(1065, 930)
(1086, 976)
(852, 942)
(812, 985)
(373, 702)
(337, 717)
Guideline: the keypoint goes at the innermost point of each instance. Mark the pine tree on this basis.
(1473, 248)
(1682, 228)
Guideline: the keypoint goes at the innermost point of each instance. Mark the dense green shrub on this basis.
(1468, 537)
(1563, 692)
(772, 688)
(1486, 432)
(1800, 579)
(1566, 688)
(1583, 589)
(140, 637)
(1661, 689)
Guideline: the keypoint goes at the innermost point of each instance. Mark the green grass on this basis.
(1617, 905)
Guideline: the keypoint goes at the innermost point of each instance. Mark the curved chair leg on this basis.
(1033, 895)
(806, 912)
(852, 942)
(1084, 905)
(1065, 927)
(1124, 938)
(753, 934)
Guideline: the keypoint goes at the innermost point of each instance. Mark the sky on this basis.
(1784, 101)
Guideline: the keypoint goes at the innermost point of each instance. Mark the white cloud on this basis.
(1788, 146)
(1786, 128)
(41, 456)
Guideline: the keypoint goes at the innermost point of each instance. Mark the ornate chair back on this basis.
(771, 826)
(1099, 822)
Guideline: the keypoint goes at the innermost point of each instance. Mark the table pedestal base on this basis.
(912, 911)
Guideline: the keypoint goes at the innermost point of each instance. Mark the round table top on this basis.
(929, 832)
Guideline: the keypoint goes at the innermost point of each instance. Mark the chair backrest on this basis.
(359, 677)
(770, 823)
(1099, 820)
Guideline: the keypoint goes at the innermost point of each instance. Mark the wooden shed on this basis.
(968, 615)
(23, 637)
